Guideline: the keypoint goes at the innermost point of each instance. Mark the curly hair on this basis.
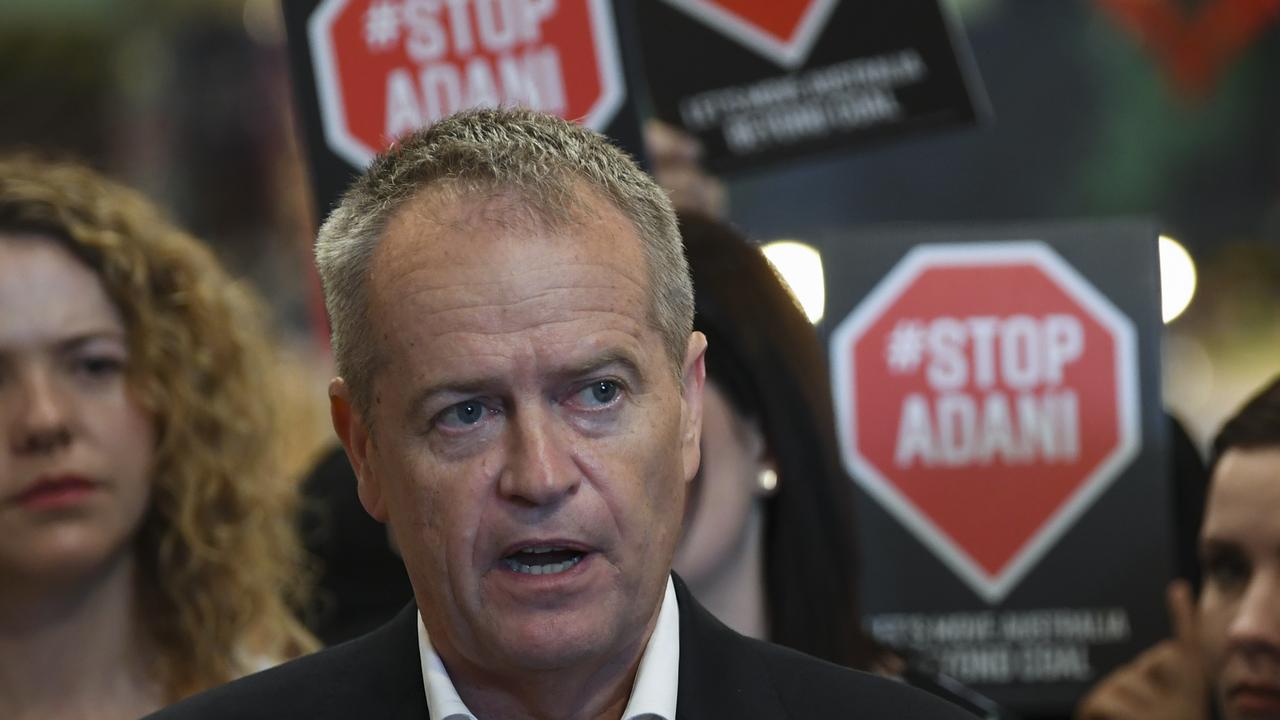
(221, 566)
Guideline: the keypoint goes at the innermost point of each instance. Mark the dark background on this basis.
(191, 102)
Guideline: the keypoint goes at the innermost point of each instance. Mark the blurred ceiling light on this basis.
(1177, 278)
(264, 21)
(800, 266)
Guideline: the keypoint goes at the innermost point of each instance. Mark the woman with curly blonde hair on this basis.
(147, 546)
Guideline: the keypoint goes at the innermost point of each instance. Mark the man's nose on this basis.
(40, 413)
(540, 469)
(1257, 620)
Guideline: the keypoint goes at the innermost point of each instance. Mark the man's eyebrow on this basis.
(607, 359)
(481, 385)
(462, 388)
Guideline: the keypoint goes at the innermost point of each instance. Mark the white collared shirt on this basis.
(653, 695)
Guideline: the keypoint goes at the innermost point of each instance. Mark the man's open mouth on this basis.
(543, 560)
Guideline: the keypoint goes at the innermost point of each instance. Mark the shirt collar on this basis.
(653, 695)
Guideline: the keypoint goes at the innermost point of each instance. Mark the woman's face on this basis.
(726, 489)
(77, 446)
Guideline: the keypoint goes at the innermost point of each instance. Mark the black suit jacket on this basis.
(722, 675)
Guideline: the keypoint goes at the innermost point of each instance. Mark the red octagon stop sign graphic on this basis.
(782, 30)
(386, 67)
(986, 394)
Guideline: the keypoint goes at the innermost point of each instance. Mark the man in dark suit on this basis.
(520, 398)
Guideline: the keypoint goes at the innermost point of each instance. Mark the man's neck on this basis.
(72, 649)
(596, 690)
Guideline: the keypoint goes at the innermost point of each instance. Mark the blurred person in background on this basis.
(1225, 653)
(769, 542)
(145, 545)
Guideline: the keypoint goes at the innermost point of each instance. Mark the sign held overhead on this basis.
(759, 82)
(366, 72)
(386, 67)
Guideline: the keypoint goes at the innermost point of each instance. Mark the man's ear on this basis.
(693, 379)
(353, 431)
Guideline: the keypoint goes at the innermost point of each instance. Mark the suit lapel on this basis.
(393, 666)
(720, 674)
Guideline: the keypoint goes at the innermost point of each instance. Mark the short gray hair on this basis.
(542, 158)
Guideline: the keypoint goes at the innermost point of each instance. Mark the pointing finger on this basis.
(1182, 614)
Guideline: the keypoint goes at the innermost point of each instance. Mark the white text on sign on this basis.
(498, 57)
(996, 391)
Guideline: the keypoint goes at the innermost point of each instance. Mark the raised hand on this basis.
(1167, 682)
(677, 167)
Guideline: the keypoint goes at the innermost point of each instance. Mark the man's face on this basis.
(531, 439)
(1240, 603)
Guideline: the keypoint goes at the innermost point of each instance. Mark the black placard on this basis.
(1093, 597)
(870, 70)
(332, 171)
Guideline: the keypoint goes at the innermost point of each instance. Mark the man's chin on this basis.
(556, 645)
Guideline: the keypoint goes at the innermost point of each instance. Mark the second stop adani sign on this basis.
(997, 391)
(987, 394)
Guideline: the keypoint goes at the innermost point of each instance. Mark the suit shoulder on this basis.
(810, 687)
(304, 685)
(376, 675)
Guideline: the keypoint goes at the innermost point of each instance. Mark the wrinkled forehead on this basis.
(1244, 495)
(445, 238)
(467, 290)
(444, 220)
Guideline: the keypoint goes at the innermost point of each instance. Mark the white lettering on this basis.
(427, 39)
(1064, 341)
(949, 370)
(402, 104)
(441, 91)
(533, 14)
(1044, 422)
(915, 433)
(532, 79)
(496, 22)
(1019, 352)
(983, 331)
(956, 430)
(482, 91)
(997, 435)
(1019, 359)
(498, 26)
(549, 80)
(957, 417)
(1049, 663)
(460, 24)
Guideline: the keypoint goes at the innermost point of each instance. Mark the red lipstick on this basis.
(51, 492)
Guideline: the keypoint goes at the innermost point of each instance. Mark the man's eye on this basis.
(463, 414)
(600, 392)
